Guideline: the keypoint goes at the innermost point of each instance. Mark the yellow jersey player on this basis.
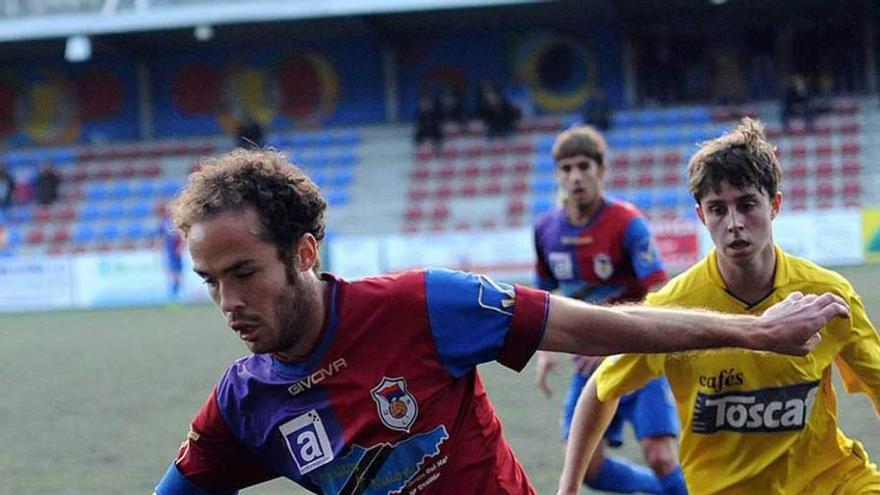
(752, 422)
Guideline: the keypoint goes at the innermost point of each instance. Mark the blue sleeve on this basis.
(470, 316)
(174, 483)
(642, 251)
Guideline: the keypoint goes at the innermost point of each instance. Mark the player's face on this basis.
(580, 179)
(272, 307)
(739, 221)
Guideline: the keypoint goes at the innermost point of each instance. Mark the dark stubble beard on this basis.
(295, 313)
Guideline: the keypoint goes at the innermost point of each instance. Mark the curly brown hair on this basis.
(286, 201)
(742, 157)
(581, 140)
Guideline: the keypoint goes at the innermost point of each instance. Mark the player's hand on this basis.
(547, 363)
(792, 326)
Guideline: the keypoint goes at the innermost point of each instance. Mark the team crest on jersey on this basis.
(397, 407)
(602, 266)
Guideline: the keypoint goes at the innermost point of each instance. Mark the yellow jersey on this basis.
(756, 422)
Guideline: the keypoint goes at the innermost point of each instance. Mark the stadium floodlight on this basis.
(78, 48)
(204, 32)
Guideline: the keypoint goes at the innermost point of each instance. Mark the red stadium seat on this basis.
(798, 150)
(671, 178)
(672, 158)
(472, 170)
(496, 169)
(823, 148)
(492, 189)
(851, 168)
(849, 127)
(60, 236)
(440, 212)
(516, 207)
(443, 191)
(620, 160)
(42, 214)
(825, 169)
(850, 148)
(646, 159)
(446, 172)
(421, 172)
(522, 167)
(620, 181)
(36, 236)
(417, 193)
(798, 170)
(646, 180)
(468, 189)
(414, 213)
(519, 187)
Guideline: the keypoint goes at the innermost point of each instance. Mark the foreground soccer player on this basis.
(370, 386)
(752, 422)
(599, 250)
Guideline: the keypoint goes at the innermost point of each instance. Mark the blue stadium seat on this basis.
(347, 137)
(140, 209)
(544, 185)
(669, 198)
(118, 190)
(114, 210)
(90, 211)
(15, 236)
(337, 198)
(345, 158)
(643, 199)
(342, 178)
(143, 189)
(541, 204)
(108, 232)
(169, 187)
(83, 233)
(97, 191)
(20, 213)
(544, 145)
(624, 118)
(135, 231)
(545, 164)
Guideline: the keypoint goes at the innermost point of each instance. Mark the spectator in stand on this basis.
(597, 112)
(796, 102)
(428, 121)
(250, 134)
(7, 187)
(499, 115)
(451, 109)
(5, 248)
(46, 184)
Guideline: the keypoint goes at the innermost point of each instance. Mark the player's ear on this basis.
(306, 252)
(775, 204)
(700, 214)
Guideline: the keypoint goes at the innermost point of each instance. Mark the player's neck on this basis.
(581, 214)
(312, 326)
(753, 281)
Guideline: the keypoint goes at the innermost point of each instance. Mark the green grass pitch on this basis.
(97, 402)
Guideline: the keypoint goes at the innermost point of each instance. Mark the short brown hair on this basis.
(286, 201)
(742, 157)
(580, 140)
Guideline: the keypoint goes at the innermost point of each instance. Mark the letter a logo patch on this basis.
(397, 407)
(307, 441)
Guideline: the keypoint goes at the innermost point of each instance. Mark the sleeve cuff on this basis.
(175, 483)
(526, 327)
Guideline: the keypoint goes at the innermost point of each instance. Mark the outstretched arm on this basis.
(591, 419)
(789, 327)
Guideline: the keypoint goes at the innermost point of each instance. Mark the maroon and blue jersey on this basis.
(389, 401)
(611, 259)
